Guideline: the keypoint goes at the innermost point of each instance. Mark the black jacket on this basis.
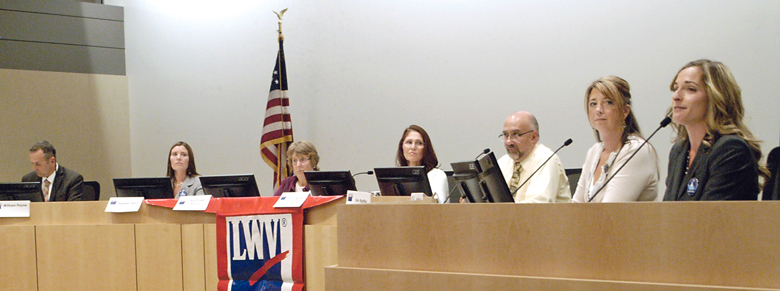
(724, 171)
(66, 187)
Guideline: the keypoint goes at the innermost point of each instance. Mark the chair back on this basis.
(574, 176)
(91, 191)
(772, 186)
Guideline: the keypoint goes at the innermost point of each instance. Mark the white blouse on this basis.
(637, 181)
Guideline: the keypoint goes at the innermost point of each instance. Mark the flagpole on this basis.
(280, 14)
(282, 167)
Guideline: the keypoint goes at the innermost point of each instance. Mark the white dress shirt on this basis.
(550, 184)
(50, 178)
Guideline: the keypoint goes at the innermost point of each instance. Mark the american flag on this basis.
(277, 127)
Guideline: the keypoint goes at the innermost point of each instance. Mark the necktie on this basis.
(46, 185)
(515, 181)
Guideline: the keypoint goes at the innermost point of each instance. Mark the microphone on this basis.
(664, 123)
(361, 173)
(452, 192)
(566, 143)
(485, 151)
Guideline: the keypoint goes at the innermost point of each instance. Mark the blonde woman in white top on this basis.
(608, 104)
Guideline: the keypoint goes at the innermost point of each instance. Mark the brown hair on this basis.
(191, 171)
(429, 160)
(46, 147)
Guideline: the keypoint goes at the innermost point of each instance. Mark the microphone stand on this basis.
(361, 173)
(664, 123)
(566, 143)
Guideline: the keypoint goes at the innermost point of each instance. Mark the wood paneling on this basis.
(702, 243)
(159, 256)
(86, 257)
(343, 278)
(18, 256)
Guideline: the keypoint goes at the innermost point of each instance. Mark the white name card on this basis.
(124, 204)
(357, 197)
(291, 199)
(20, 208)
(417, 196)
(192, 203)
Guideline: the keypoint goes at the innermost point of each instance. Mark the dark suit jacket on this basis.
(724, 171)
(66, 187)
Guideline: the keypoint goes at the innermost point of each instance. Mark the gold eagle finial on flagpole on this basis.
(280, 14)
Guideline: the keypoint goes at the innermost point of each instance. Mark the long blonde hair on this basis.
(724, 110)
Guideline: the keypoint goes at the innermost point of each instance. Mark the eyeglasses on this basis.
(513, 135)
(301, 161)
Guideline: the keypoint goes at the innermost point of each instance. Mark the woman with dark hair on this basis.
(181, 170)
(301, 157)
(415, 149)
(715, 157)
(608, 105)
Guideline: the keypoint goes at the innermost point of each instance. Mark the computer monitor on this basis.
(148, 188)
(329, 183)
(243, 185)
(21, 191)
(466, 178)
(491, 180)
(454, 193)
(402, 181)
(482, 180)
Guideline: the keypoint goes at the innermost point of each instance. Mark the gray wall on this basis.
(62, 36)
(361, 71)
(62, 79)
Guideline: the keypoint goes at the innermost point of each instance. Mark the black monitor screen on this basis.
(230, 185)
(466, 178)
(329, 183)
(482, 180)
(402, 181)
(491, 180)
(148, 188)
(21, 191)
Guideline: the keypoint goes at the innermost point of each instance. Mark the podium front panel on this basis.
(701, 243)
(86, 257)
(159, 256)
(18, 256)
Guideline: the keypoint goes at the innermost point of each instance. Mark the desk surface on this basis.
(701, 243)
(93, 212)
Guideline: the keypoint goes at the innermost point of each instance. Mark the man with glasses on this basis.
(524, 156)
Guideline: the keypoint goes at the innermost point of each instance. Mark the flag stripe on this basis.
(277, 125)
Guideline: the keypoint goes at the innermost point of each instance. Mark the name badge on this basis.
(292, 199)
(357, 197)
(124, 204)
(693, 185)
(192, 203)
(18, 208)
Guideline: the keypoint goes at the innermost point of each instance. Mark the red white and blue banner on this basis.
(260, 247)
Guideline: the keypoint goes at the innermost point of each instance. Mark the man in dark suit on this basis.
(57, 182)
